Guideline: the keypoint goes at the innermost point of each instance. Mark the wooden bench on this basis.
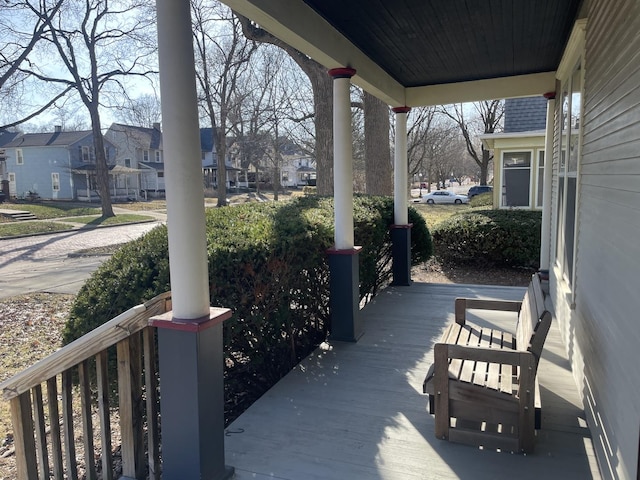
(482, 385)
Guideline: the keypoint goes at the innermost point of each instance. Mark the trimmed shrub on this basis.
(267, 262)
(490, 237)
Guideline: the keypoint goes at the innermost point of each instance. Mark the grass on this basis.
(52, 210)
(434, 214)
(89, 216)
(117, 220)
(30, 327)
(15, 229)
(144, 206)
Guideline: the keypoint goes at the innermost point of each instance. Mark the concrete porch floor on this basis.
(356, 410)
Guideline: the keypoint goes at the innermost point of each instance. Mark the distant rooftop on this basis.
(525, 114)
(48, 139)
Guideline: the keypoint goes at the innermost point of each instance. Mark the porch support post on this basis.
(189, 337)
(343, 258)
(401, 229)
(545, 240)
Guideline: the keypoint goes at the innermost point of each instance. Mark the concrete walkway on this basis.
(46, 263)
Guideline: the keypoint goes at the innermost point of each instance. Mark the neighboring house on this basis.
(236, 176)
(58, 165)
(293, 166)
(518, 154)
(140, 157)
(5, 137)
(298, 169)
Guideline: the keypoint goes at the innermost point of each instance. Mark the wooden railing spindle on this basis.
(40, 431)
(127, 409)
(67, 422)
(54, 421)
(105, 419)
(22, 421)
(87, 423)
(130, 333)
(151, 388)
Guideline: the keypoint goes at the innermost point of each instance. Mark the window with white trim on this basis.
(570, 145)
(19, 157)
(145, 155)
(516, 179)
(85, 154)
(55, 181)
(157, 156)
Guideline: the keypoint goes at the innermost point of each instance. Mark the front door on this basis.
(12, 185)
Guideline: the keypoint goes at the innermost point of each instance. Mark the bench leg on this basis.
(526, 427)
(441, 391)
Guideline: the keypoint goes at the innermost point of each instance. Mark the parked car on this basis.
(478, 189)
(443, 196)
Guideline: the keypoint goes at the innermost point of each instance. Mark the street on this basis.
(42, 263)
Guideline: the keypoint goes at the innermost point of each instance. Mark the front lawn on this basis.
(45, 210)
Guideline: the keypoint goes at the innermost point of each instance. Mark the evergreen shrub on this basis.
(490, 237)
(268, 263)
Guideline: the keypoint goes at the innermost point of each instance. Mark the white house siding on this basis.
(603, 331)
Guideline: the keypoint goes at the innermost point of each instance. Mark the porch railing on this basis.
(40, 409)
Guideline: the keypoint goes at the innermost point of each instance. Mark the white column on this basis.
(342, 158)
(545, 240)
(183, 172)
(401, 169)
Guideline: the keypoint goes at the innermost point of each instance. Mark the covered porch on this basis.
(356, 410)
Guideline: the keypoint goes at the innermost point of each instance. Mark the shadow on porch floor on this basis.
(356, 411)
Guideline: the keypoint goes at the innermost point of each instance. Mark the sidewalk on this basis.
(45, 263)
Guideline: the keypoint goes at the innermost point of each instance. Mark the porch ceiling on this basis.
(415, 52)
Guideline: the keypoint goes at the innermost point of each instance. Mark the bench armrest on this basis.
(463, 304)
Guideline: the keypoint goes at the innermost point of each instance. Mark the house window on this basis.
(285, 176)
(540, 178)
(516, 179)
(19, 157)
(55, 181)
(157, 156)
(160, 174)
(570, 145)
(85, 154)
(127, 162)
(145, 155)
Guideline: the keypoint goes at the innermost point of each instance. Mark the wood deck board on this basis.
(357, 410)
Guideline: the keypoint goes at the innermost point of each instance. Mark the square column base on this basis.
(401, 254)
(192, 396)
(345, 295)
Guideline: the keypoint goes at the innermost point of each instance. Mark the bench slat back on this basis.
(533, 321)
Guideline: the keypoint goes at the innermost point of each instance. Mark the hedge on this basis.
(490, 237)
(267, 262)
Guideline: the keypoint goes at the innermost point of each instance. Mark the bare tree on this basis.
(142, 111)
(488, 119)
(101, 44)
(419, 125)
(221, 59)
(17, 44)
(322, 87)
